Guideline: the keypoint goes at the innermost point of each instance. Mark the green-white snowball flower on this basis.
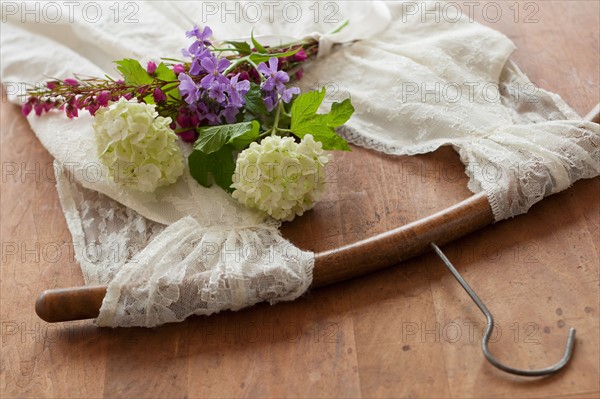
(139, 148)
(281, 177)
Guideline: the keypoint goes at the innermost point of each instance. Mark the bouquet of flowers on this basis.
(253, 134)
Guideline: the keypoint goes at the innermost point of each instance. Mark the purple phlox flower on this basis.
(200, 36)
(202, 41)
(200, 114)
(217, 91)
(275, 78)
(51, 85)
(229, 113)
(178, 68)
(275, 84)
(286, 94)
(158, 95)
(188, 88)
(186, 53)
(213, 68)
(270, 99)
(151, 67)
(236, 90)
(197, 67)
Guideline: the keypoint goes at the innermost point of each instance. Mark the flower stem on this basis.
(277, 115)
(339, 27)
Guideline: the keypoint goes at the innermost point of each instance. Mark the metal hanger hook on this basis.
(490, 326)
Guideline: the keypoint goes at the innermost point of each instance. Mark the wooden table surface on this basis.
(408, 331)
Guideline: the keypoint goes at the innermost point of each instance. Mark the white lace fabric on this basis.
(422, 84)
(416, 85)
(159, 274)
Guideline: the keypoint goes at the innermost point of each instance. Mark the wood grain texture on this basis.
(407, 331)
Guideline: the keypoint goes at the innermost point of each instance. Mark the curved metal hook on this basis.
(490, 326)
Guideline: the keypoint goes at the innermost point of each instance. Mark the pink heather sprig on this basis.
(74, 95)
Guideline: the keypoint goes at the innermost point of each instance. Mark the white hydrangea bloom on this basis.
(281, 177)
(139, 148)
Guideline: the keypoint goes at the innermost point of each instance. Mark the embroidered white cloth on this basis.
(417, 84)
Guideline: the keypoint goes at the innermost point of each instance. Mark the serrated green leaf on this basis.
(213, 138)
(322, 132)
(306, 105)
(133, 73)
(305, 120)
(165, 73)
(240, 47)
(340, 113)
(243, 140)
(256, 44)
(219, 165)
(331, 141)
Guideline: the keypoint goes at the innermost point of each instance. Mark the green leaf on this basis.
(340, 113)
(305, 120)
(306, 105)
(213, 152)
(213, 138)
(324, 133)
(242, 141)
(254, 101)
(149, 99)
(256, 44)
(165, 73)
(133, 73)
(240, 47)
(220, 165)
